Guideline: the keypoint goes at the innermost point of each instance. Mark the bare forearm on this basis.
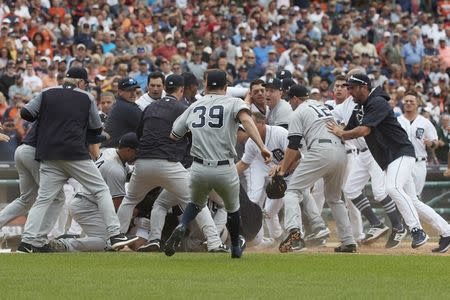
(356, 132)
(291, 157)
(252, 132)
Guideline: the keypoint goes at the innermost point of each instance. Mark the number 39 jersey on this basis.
(213, 121)
(309, 121)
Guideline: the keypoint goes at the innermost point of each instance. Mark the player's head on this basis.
(174, 85)
(77, 76)
(190, 86)
(260, 122)
(127, 89)
(107, 100)
(296, 95)
(339, 89)
(411, 102)
(155, 84)
(273, 92)
(128, 145)
(216, 81)
(285, 86)
(359, 86)
(258, 92)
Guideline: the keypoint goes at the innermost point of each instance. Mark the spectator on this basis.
(227, 48)
(18, 92)
(443, 138)
(412, 53)
(141, 75)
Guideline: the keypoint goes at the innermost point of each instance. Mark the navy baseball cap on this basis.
(216, 78)
(274, 83)
(297, 90)
(282, 74)
(174, 81)
(77, 73)
(357, 79)
(287, 83)
(129, 140)
(128, 83)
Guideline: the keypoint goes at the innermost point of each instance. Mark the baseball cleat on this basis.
(237, 251)
(28, 248)
(221, 249)
(121, 240)
(293, 240)
(58, 246)
(151, 246)
(321, 233)
(444, 245)
(375, 232)
(350, 248)
(174, 240)
(419, 237)
(395, 238)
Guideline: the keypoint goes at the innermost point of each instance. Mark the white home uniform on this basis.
(418, 130)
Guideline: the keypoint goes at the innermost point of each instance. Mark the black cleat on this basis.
(350, 248)
(419, 237)
(237, 251)
(395, 238)
(444, 245)
(151, 246)
(174, 240)
(121, 240)
(25, 248)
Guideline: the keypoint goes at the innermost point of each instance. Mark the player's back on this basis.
(214, 124)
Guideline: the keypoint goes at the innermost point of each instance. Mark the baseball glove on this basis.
(276, 187)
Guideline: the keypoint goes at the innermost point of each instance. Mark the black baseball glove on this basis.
(276, 188)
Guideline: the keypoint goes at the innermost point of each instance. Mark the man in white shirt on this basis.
(155, 90)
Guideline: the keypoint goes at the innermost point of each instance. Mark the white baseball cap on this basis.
(314, 91)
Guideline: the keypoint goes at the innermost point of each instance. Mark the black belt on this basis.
(357, 150)
(323, 141)
(421, 159)
(219, 163)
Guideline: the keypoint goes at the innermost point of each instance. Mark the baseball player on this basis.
(155, 90)
(279, 110)
(325, 158)
(65, 113)
(374, 120)
(158, 164)
(84, 209)
(361, 168)
(275, 139)
(213, 122)
(422, 134)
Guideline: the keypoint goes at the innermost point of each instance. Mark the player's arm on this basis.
(252, 131)
(291, 155)
(241, 167)
(180, 127)
(359, 131)
(30, 111)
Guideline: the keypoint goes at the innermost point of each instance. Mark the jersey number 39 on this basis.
(215, 114)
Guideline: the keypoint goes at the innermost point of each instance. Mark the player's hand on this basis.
(267, 155)
(447, 173)
(428, 143)
(248, 99)
(4, 138)
(334, 128)
(273, 171)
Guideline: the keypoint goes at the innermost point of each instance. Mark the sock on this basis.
(233, 224)
(189, 214)
(392, 212)
(362, 203)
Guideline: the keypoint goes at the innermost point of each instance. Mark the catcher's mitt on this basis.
(276, 187)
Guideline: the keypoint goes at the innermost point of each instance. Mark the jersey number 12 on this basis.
(215, 114)
(321, 110)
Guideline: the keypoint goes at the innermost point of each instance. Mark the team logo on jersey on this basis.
(359, 114)
(419, 133)
(278, 154)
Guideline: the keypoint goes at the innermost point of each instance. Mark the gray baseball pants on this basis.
(28, 169)
(53, 175)
(327, 161)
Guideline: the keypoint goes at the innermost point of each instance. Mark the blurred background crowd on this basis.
(403, 45)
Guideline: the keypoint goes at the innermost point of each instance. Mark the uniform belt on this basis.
(323, 141)
(421, 158)
(219, 163)
(357, 151)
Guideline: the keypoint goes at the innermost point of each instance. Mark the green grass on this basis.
(216, 276)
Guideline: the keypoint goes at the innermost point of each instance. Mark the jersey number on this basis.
(215, 114)
(321, 110)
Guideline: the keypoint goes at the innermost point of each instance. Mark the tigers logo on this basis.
(419, 133)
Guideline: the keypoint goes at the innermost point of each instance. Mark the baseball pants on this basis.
(53, 176)
(328, 163)
(28, 169)
(419, 175)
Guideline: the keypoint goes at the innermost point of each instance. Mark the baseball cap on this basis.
(169, 36)
(274, 83)
(174, 80)
(129, 140)
(77, 73)
(181, 45)
(81, 46)
(282, 74)
(297, 90)
(358, 79)
(127, 83)
(315, 91)
(287, 83)
(216, 78)
(387, 34)
(223, 37)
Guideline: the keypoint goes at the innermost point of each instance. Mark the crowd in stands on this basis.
(403, 45)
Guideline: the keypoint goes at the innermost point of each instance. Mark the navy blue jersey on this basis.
(387, 140)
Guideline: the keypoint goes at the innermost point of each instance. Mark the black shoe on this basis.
(350, 248)
(25, 248)
(174, 240)
(151, 246)
(292, 240)
(375, 232)
(44, 249)
(121, 240)
(395, 238)
(237, 251)
(419, 237)
(221, 249)
(444, 245)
